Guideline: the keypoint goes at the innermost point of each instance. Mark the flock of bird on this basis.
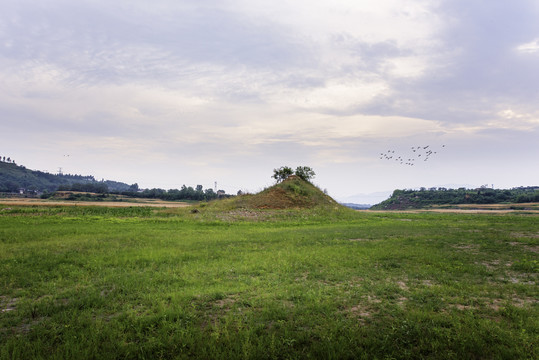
(418, 153)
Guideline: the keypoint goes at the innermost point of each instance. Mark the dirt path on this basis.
(142, 203)
(460, 211)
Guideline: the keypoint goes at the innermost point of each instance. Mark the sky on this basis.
(173, 92)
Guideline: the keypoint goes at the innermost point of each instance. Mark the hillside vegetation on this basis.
(14, 177)
(416, 199)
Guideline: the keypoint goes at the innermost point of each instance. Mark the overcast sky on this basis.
(172, 92)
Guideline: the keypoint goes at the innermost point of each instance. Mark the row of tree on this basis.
(401, 199)
(95, 187)
(8, 160)
(185, 193)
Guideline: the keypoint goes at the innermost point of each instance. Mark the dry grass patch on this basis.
(522, 302)
(8, 304)
(518, 235)
(402, 285)
(530, 248)
(364, 311)
(519, 278)
(428, 283)
(494, 264)
(360, 312)
(362, 240)
(472, 248)
(303, 277)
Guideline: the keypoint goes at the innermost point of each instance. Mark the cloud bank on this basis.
(177, 92)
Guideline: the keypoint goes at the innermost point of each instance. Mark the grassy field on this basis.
(139, 282)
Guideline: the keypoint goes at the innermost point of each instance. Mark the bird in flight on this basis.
(424, 153)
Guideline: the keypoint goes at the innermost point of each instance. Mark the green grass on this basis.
(95, 282)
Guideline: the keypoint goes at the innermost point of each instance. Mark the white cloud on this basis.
(510, 114)
(406, 67)
(516, 120)
(530, 47)
(405, 21)
(335, 95)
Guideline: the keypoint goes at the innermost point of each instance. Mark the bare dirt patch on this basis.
(494, 264)
(225, 303)
(521, 302)
(519, 235)
(402, 285)
(499, 304)
(473, 248)
(360, 311)
(519, 278)
(373, 299)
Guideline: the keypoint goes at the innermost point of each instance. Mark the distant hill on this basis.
(365, 198)
(293, 192)
(14, 178)
(416, 199)
(357, 206)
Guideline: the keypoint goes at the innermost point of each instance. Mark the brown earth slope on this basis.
(292, 193)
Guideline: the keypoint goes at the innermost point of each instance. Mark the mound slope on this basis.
(293, 192)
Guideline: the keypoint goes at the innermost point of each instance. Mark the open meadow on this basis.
(94, 282)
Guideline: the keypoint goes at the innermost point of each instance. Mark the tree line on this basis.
(14, 178)
(441, 196)
(184, 193)
(7, 160)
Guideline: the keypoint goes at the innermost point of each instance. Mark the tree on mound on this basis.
(303, 172)
(282, 173)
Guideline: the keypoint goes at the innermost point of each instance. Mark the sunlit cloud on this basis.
(531, 47)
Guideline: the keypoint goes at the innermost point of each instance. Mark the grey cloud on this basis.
(486, 35)
(96, 44)
(478, 67)
(373, 55)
